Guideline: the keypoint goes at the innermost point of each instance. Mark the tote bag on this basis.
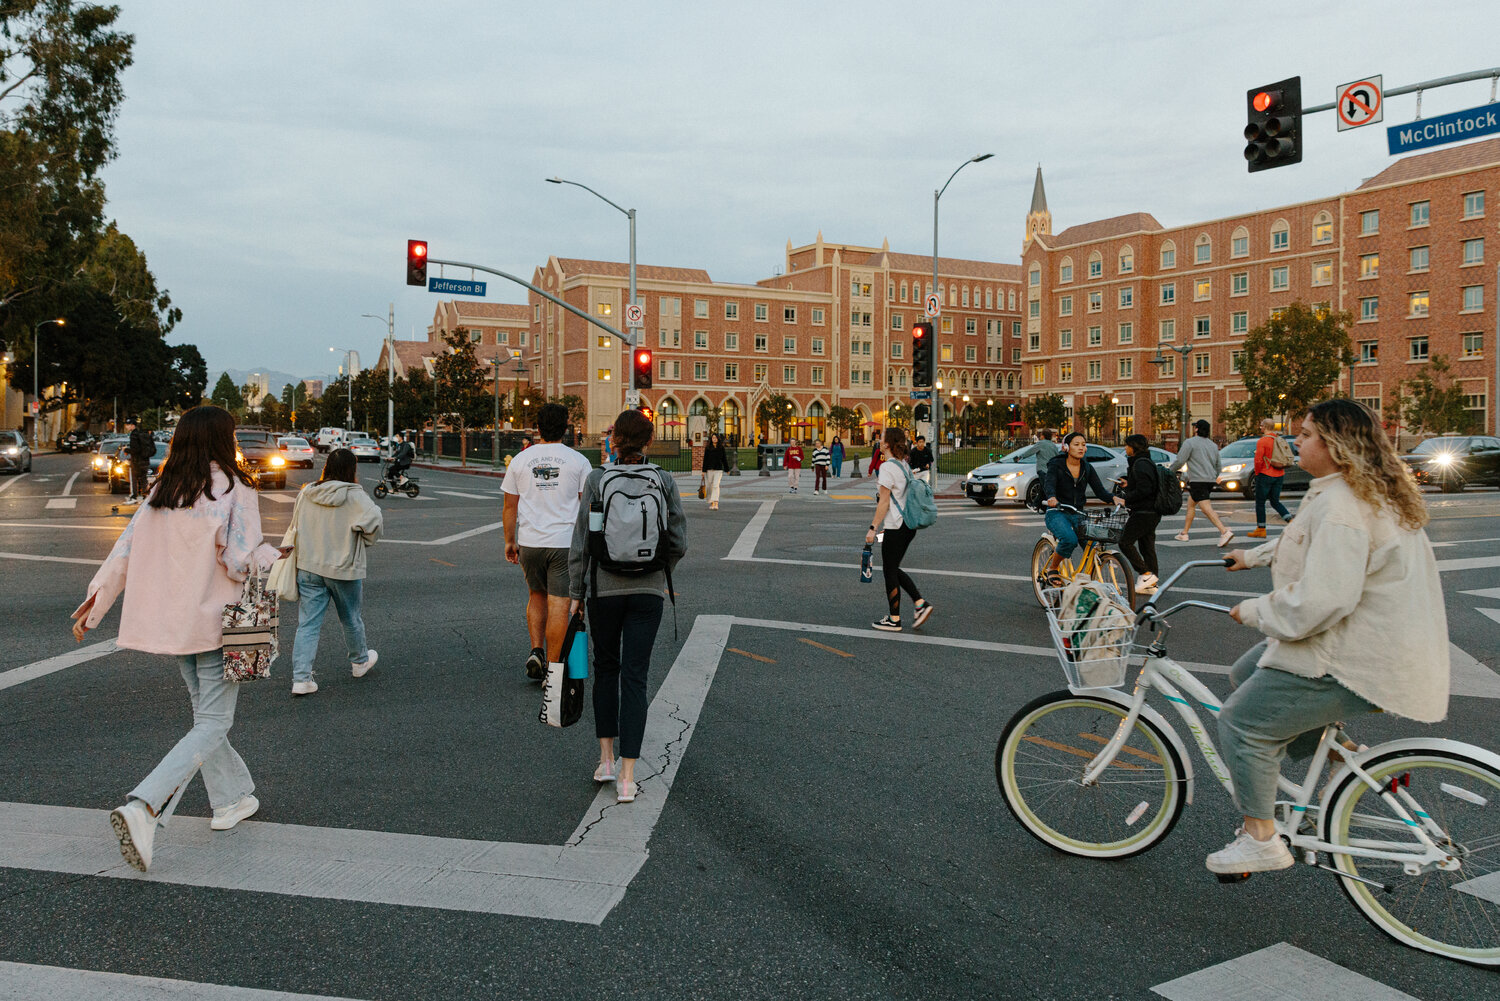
(562, 690)
(250, 630)
(283, 576)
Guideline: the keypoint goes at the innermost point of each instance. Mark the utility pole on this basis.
(495, 439)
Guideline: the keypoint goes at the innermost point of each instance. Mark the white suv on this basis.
(328, 439)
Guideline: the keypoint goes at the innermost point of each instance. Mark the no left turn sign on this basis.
(1360, 103)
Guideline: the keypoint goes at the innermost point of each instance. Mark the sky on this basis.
(274, 157)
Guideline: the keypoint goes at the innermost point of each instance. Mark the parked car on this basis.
(15, 453)
(364, 447)
(1013, 477)
(75, 441)
(1237, 468)
(327, 439)
(259, 455)
(104, 456)
(296, 451)
(1453, 462)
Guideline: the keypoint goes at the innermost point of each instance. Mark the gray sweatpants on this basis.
(1270, 714)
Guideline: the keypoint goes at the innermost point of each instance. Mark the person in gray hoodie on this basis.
(335, 520)
(1201, 457)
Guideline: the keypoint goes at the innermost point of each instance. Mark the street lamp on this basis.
(495, 439)
(937, 411)
(1161, 359)
(1281, 398)
(36, 395)
(631, 339)
(390, 370)
(348, 385)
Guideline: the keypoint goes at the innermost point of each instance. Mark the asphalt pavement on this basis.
(819, 816)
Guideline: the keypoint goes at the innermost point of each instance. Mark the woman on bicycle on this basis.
(1355, 623)
(1068, 480)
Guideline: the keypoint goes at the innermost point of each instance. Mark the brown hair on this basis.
(204, 438)
(341, 465)
(1368, 460)
(632, 433)
(895, 441)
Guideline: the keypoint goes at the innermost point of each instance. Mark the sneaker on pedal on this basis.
(1246, 854)
(1146, 582)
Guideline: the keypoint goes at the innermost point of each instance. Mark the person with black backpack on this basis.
(1140, 487)
(630, 533)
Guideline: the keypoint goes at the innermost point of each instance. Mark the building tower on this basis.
(1038, 220)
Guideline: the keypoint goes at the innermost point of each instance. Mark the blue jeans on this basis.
(838, 466)
(1064, 528)
(1268, 488)
(205, 747)
(316, 591)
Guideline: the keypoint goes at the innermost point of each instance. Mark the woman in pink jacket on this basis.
(179, 562)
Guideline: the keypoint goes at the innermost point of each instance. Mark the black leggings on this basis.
(1141, 529)
(624, 630)
(892, 551)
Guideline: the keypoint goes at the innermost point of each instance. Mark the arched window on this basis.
(901, 378)
(1169, 254)
(1322, 230)
(966, 297)
(986, 382)
(731, 411)
(1127, 260)
(669, 420)
(963, 381)
(1065, 271)
(1010, 381)
(1203, 249)
(817, 420)
(1281, 235)
(1096, 265)
(1239, 242)
(699, 408)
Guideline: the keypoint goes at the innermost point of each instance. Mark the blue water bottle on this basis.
(866, 571)
(578, 655)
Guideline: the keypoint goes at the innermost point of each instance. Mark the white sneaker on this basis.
(226, 817)
(136, 829)
(304, 687)
(1226, 538)
(1146, 582)
(607, 772)
(358, 669)
(1246, 854)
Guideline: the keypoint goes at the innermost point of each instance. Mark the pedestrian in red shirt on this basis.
(793, 462)
(1270, 467)
(874, 469)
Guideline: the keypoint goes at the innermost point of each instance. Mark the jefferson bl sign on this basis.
(1450, 128)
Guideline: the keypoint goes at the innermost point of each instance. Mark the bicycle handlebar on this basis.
(1148, 612)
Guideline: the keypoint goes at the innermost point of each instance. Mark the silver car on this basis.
(1013, 477)
(364, 448)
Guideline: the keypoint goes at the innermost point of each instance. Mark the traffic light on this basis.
(416, 262)
(647, 412)
(641, 359)
(921, 355)
(1273, 133)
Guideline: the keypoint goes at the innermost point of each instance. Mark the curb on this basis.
(466, 471)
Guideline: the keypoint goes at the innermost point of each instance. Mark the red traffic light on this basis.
(920, 330)
(643, 358)
(416, 262)
(1265, 100)
(418, 249)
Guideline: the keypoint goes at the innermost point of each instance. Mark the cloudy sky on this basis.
(275, 156)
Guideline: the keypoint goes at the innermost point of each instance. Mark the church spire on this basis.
(1038, 219)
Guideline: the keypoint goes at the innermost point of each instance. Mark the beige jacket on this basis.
(1357, 598)
(335, 522)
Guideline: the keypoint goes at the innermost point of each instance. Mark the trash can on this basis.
(770, 459)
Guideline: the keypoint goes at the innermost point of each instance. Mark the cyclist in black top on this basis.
(1068, 481)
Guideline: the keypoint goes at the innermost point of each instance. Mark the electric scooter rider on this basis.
(401, 461)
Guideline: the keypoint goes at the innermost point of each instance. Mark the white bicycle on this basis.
(1411, 827)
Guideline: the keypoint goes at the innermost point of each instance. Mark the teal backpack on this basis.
(920, 510)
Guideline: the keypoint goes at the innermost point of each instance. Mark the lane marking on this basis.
(279, 498)
(56, 983)
(747, 653)
(488, 497)
(42, 668)
(1492, 613)
(11, 481)
(434, 559)
(1477, 563)
(744, 546)
(848, 497)
(1488, 592)
(118, 526)
(69, 488)
(50, 559)
(65, 503)
(822, 646)
(1280, 972)
(447, 539)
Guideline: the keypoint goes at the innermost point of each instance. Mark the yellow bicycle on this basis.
(1094, 559)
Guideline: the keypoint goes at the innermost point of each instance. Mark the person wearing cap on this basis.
(1201, 457)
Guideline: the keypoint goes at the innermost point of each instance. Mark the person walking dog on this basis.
(715, 465)
(181, 559)
(335, 521)
(1201, 457)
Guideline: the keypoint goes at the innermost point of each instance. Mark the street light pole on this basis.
(937, 404)
(36, 390)
(390, 371)
(348, 386)
(1161, 359)
(495, 441)
(630, 339)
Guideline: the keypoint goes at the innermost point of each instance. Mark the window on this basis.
(1369, 266)
(1202, 289)
(946, 352)
(989, 298)
(732, 371)
(1096, 265)
(700, 339)
(1369, 352)
(1126, 333)
(1203, 249)
(1034, 277)
(731, 342)
(1369, 309)
(605, 340)
(675, 372)
(1239, 283)
(604, 308)
(1127, 260)
(966, 298)
(1065, 270)
(866, 347)
(1168, 368)
(1369, 222)
(760, 373)
(817, 375)
(1280, 279)
(859, 289)
(817, 345)
(1239, 243)
(1474, 403)
(1200, 364)
(605, 374)
(1127, 297)
(1420, 212)
(668, 339)
(971, 326)
(1473, 298)
(1096, 337)
(897, 321)
(1034, 309)
(1322, 273)
(970, 353)
(890, 291)
(761, 344)
(788, 314)
(946, 326)
(1038, 375)
(789, 345)
(700, 308)
(1236, 362)
(1416, 349)
(1168, 293)
(1127, 368)
(1200, 326)
(1096, 370)
(700, 371)
(1239, 324)
(1416, 304)
(1169, 255)
(1281, 235)
(903, 291)
(1015, 328)
(1473, 345)
(1011, 298)
(1474, 251)
(1064, 340)
(1167, 330)
(789, 374)
(1420, 258)
(731, 311)
(1473, 204)
(475, 334)
(817, 317)
(1064, 371)
(1322, 228)
(898, 350)
(1096, 301)
(1015, 356)
(1065, 305)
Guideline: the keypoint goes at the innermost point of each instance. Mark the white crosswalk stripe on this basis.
(457, 493)
(1280, 972)
(280, 498)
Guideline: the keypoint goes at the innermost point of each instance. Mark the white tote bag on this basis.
(283, 574)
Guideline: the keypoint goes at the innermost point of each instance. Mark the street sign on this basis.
(632, 398)
(921, 394)
(934, 305)
(1471, 123)
(635, 316)
(1360, 103)
(454, 286)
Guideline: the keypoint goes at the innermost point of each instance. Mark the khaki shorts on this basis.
(545, 570)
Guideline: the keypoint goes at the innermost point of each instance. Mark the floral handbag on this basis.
(250, 630)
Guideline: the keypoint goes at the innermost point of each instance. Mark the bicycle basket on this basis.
(1104, 526)
(1093, 632)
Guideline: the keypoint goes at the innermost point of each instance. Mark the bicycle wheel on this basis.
(1039, 764)
(1040, 554)
(1454, 914)
(1115, 571)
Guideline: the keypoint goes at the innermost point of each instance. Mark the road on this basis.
(819, 819)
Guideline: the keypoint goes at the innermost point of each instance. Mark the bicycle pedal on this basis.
(1232, 877)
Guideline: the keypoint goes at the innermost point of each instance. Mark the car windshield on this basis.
(1022, 454)
(1432, 445)
(1242, 449)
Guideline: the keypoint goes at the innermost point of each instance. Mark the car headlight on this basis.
(1010, 476)
(120, 469)
(239, 457)
(277, 460)
(98, 462)
(1233, 468)
(1443, 459)
(969, 475)
(13, 450)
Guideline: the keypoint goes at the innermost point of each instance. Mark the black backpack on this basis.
(1168, 491)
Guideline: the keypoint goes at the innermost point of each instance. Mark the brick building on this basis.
(498, 331)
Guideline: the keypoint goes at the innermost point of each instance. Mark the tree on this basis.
(776, 411)
(462, 399)
(1096, 417)
(1045, 411)
(1292, 358)
(188, 378)
(844, 419)
(1436, 403)
(578, 411)
(226, 394)
(1167, 414)
(1240, 419)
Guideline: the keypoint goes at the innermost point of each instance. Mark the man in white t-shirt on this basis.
(542, 486)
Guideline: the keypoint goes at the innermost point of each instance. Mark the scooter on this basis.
(388, 484)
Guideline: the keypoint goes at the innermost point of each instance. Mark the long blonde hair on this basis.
(1368, 461)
